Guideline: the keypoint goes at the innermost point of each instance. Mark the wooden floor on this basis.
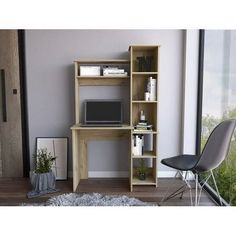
(13, 191)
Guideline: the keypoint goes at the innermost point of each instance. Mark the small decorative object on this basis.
(142, 116)
(152, 88)
(142, 125)
(142, 170)
(145, 63)
(147, 96)
(42, 178)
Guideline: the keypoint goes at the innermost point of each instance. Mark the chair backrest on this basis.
(217, 146)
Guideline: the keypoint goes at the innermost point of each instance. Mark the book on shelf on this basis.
(141, 143)
(142, 127)
(113, 71)
(152, 88)
(116, 74)
(137, 144)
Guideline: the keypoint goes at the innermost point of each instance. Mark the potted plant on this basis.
(142, 170)
(42, 178)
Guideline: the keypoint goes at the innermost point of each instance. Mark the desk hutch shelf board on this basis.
(143, 64)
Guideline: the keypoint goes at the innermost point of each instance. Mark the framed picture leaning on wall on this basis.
(58, 147)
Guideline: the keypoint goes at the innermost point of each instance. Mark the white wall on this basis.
(190, 89)
(50, 88)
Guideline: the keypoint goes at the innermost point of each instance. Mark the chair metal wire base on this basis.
(180, 191)
(187, 186)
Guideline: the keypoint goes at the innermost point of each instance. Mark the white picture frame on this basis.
(58, 147)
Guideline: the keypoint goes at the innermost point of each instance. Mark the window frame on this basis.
(207, 187)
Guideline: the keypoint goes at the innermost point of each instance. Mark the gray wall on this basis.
(50, 86)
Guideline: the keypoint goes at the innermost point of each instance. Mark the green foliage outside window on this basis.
(225, 174)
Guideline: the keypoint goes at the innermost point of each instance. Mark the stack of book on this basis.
(143, 126)
(114, 71)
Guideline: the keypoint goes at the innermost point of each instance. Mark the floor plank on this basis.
(13, 191)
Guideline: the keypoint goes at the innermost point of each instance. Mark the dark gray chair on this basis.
(214, 152)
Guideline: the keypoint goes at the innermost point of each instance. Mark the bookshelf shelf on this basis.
(146, 154)
(144, 132)
(144, 73)
(148, 181)
(142, 101)
(103, 77)
(102, 61)
(103, 80)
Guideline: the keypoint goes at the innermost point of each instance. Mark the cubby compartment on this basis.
(144, 59)
(144, 145)
(139, 86)
(149, 176)
(150, 112)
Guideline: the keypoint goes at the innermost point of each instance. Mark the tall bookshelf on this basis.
(136, 80)
(143, 65)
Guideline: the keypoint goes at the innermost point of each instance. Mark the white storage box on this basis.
(90, 70)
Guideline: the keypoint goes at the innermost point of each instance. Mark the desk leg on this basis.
(75, 154)
(83, 160)
(130, 162)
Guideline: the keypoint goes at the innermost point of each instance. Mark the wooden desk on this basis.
(80, 137)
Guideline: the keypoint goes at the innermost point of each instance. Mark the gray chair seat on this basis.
(183, 162)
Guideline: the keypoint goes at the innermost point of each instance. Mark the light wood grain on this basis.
(103, 81)
(123, 127)
(137, 82)
(75, 159)
(77, 100)
(138, 104)
(144, 73)
(143, 47)
(102, 61)
(83, 159)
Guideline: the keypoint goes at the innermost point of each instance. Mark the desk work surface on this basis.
(123, 127)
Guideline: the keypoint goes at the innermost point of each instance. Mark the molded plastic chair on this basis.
(214, 152)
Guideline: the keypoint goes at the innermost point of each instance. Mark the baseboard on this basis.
(122, 174)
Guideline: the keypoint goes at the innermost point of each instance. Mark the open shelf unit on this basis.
(139, 74)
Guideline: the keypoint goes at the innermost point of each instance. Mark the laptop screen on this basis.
(103, 111)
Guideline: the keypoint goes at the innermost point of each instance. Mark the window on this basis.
(219, 100)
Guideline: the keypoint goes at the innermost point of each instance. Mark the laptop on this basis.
(103, 113)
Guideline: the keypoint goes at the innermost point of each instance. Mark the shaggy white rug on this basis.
(94, 199)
